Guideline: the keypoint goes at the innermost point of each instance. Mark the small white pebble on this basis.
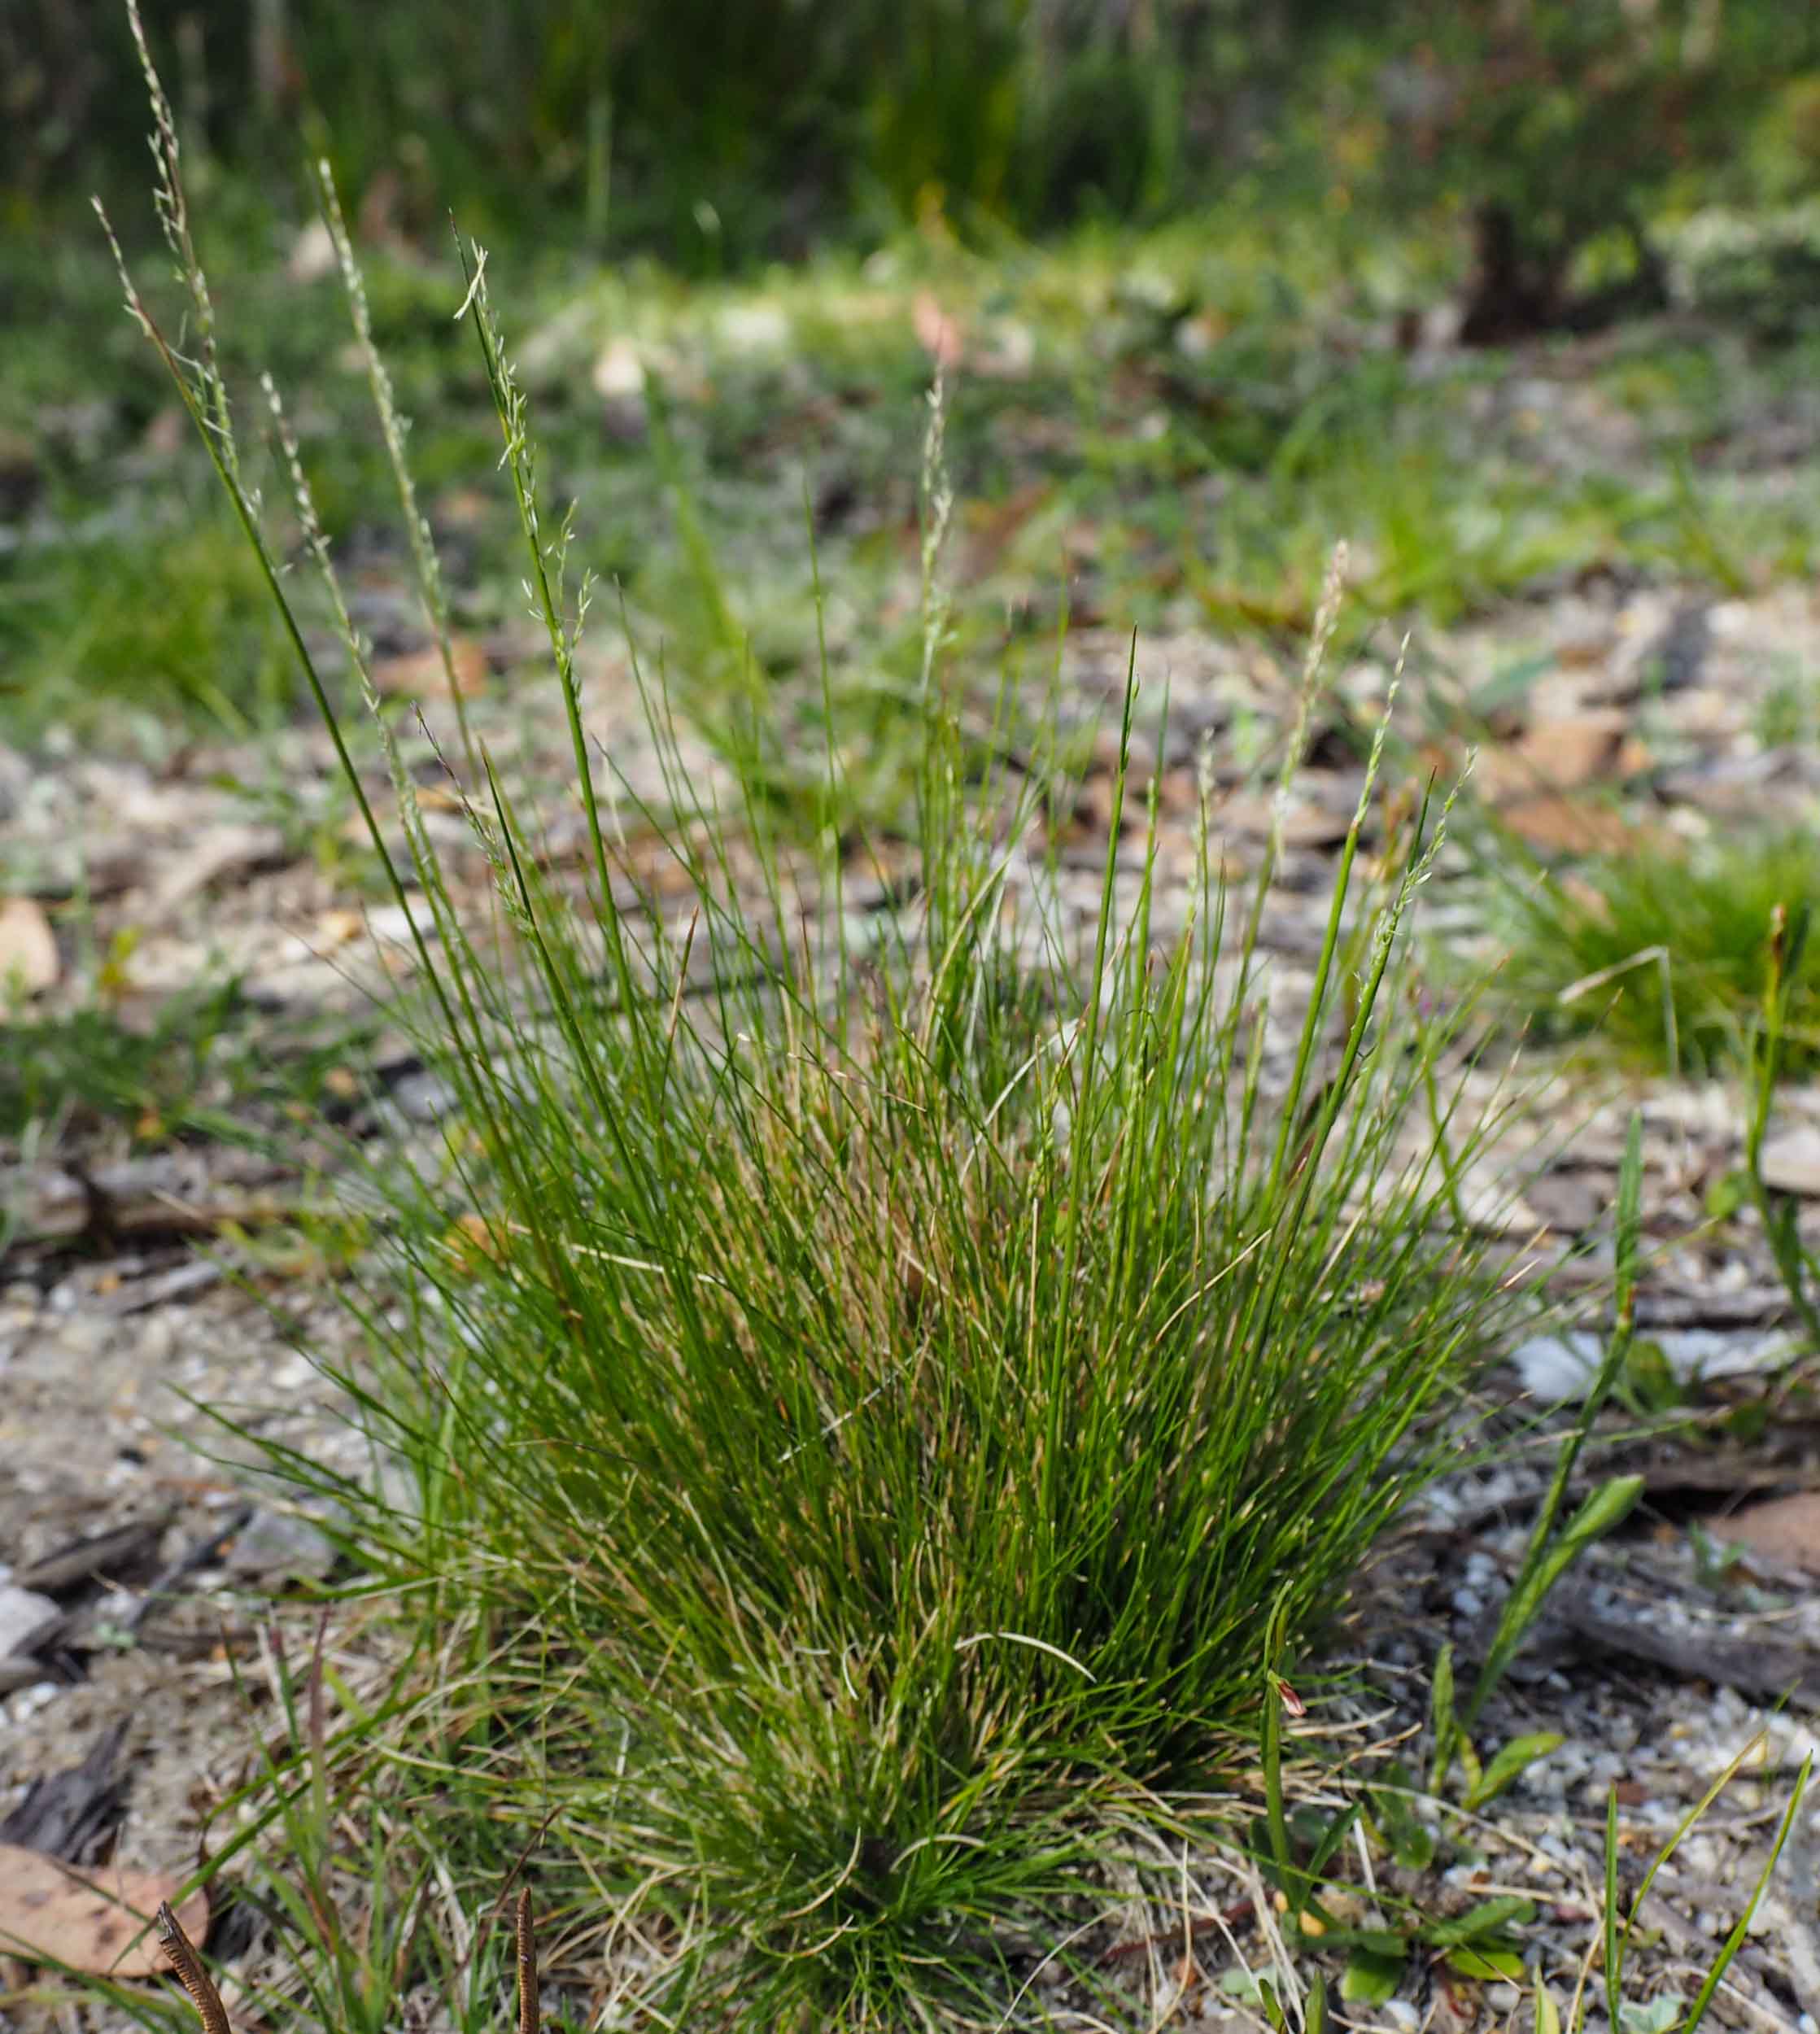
(1399, 2013)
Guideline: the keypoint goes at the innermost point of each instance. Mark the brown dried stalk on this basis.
(527, 1968)
(188, 1966)
(214, 2015)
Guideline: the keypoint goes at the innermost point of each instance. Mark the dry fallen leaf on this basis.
(419, 674)
(1786, 1529)
(992, 527)
(86, 1918)
(462, 509)
(1559, 825)
(29, 962)
(1558, 755)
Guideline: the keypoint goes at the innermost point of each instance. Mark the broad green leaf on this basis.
(1606, 1507)
(1549, 1556)
(1381, 1942)
(1308, 1826)
(1315, 2020)
(1479, 1921)
(1468, 1760)
(1487, 1964)
(1335, 1833)
(1409, 1842)
(1370, 1979)
(1514, 1758)
(1749, 1421)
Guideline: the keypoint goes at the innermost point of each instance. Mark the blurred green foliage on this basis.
(712, 133)
(1560, 121)
(717, 135)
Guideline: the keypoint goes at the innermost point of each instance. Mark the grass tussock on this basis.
(887, 1390)
(1665, 955)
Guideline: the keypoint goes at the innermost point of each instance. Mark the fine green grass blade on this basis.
(1740, 1929)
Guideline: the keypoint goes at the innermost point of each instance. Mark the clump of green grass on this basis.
(1663, 954)
(871, 1382)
